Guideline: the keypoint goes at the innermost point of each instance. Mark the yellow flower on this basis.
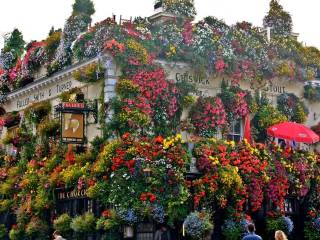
(171, 141)
(172, 51)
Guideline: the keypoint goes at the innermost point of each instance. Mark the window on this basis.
(290, 205)
(236, 131)
(145, 231)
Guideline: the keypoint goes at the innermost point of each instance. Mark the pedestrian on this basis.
(279, 235)
(57, 236)
(163, 233)
(251, 233)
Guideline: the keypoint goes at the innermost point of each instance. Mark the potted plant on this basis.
(37, 229)
(83, 225)
(11, 119)
(62, 224)
(128, 218)
(197, 225)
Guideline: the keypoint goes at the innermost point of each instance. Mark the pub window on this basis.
(289, 205)
(236, 131)
(145, 231)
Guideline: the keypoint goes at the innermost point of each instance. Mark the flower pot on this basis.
(128, 232)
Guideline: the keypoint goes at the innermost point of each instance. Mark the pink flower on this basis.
(220, 65)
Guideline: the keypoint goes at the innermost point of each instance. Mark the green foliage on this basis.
(91, 73)
(292, 107)
(62, 223)
(312, 93)
(3, 231)
(127, 89)
(310, 233)
(14, 43)
(266, 116)
(37, 229)
(5, 205)
(279, 20)
(83, 7)
(17, 234)
(36, 112)
(180, 8)
(275, 224)
(48, 128)
(73, 95)
(83, 224)
(52, 43)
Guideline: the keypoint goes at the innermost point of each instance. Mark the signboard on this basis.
(72, 127)
(44, 94)
(73, 105)
(63, 194)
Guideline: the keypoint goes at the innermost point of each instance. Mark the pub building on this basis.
(79, 118)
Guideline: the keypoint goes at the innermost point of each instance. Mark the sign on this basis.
(192, 78)
(275, 89)
(72, 194)
(73, 105)
(72, 127)
(271, 88)
(43, 94)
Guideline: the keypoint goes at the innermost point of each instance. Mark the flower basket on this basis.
(36, 112)
(24, 81)
(62, 224)
(197, 225)
(11, 119)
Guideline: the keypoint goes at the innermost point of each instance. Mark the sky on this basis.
(35, 17)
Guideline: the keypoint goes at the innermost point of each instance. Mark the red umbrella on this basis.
(294, 132)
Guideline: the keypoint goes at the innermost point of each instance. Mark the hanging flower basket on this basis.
(11, 119)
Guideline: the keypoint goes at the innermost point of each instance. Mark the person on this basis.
(57, 236)
(162, 234)
(251, 233)
(279, 235)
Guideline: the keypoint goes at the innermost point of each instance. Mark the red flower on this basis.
(220, 65)
(143, 197)
(70, 158)
(158, 140)
(106, 214)
(153, 198)
(125, 136)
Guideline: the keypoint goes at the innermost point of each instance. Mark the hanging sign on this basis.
(73, 105)
(72, 118)
(72, 127)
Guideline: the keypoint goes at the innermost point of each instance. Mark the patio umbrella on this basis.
(294, 132)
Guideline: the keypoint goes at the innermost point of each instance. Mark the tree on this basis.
(14, 42)
(279, 20)
(85, 7)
